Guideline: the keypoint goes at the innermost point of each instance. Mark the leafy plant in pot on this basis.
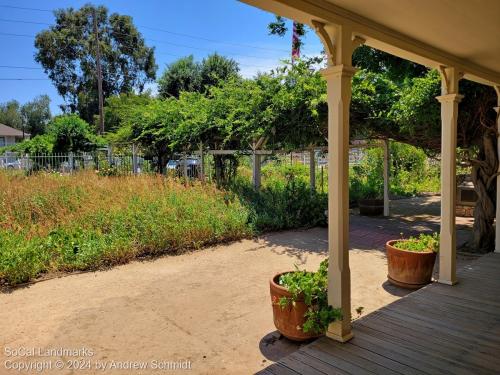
(411, 261)
(300, 303)
(372, 203)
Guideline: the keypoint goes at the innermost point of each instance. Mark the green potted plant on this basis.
(411, 261)
(300, 303)
(371, 203)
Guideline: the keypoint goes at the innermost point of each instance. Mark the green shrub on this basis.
(282, 203)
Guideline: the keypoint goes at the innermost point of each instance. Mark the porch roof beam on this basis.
(377, 36)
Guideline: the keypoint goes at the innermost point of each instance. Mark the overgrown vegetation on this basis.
(311, 287)
(422, 243)
(51, 223)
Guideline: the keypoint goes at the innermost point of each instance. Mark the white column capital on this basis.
(338, 71)
(497, 109)
(449, 98)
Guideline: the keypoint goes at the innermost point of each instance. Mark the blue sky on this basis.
(228, 22)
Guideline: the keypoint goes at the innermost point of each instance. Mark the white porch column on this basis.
(449, 116)
(386, 177)
(338, 77)
(497, 221)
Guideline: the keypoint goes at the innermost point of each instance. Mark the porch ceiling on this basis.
(462, 33)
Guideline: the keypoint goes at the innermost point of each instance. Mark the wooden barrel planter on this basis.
(409, 269)
(289, 319)
(371, 207)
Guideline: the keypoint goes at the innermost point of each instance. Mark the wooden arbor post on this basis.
(339, 46)
(449, 115)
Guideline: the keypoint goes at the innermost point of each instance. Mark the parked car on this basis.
(192, 165)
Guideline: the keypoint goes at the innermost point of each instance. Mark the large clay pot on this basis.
(409, 269)
(290, 319)
(371, 207)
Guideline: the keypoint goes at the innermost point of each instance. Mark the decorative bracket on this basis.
(319, 27)
(357, 41)
(446, 79)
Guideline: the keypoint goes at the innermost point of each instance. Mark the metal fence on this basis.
(101, 160)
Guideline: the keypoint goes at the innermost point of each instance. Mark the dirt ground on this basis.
(210, 307)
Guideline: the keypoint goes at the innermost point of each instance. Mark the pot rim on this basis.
(282, 288)
(390, 244)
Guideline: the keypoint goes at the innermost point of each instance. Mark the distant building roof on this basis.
(7, 131)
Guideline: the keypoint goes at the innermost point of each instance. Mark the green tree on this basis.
(181, 75)
(10, 114)
(36, 115)
(67, 52)
(216, 69)
(72, 134)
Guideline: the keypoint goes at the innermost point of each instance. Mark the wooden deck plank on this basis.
(438, 329)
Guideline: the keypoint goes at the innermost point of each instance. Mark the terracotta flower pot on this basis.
(289, 319)
(371, 207)
(409, 269)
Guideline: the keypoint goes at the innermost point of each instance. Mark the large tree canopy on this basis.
(67, 52)
(187, 75)
(36, 115)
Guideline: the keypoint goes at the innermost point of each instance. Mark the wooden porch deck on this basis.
(438, 329)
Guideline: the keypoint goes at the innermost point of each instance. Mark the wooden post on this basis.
(449, 116)
(185, 168)
(338, 80)
(110, 155)
(312, 170)
(202, 163)
(386, 177)
(256, 177)
(71, 162)
(135, 167)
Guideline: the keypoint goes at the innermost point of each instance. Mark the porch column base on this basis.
(447, 282)
(334, 332)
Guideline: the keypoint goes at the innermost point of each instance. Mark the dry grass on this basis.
(50, 222)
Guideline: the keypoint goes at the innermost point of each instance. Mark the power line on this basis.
(25, 8)
(212, 40)
(24, 79)
(160, 41)
(233, 44)
(20, 67)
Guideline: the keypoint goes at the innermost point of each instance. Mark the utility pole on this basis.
(99, 75)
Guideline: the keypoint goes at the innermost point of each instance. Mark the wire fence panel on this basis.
(101, 161)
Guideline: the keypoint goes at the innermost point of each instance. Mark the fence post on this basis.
(312, 170)
(386, 177)
(202, 162)
(256, 170)
(71, 161)
(135, 168)
(110, 155)
(185, 169)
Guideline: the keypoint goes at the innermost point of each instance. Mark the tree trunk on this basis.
(484, 171)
